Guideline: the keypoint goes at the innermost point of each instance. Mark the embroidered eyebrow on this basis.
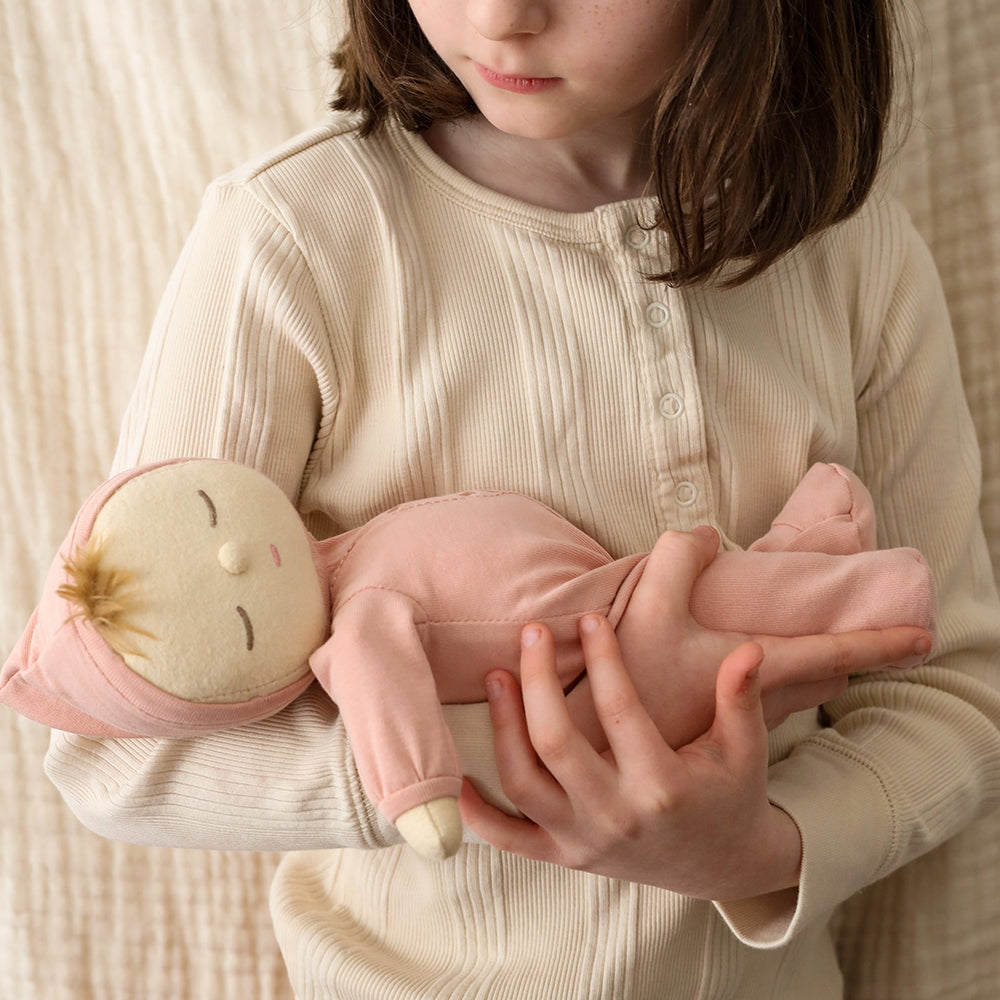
(248, 625)
(213, 517)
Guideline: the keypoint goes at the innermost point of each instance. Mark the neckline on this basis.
(451, 183)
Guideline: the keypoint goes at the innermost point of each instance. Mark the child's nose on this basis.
(500, 19)
(233, 558)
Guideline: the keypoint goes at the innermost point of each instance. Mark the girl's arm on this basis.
(908, 760)
(237, 367)
(285, 783)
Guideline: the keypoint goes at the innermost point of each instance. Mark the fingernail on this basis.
(706, 531)
(589, 624)
(493, 689)
(530, 636)
(922, 646)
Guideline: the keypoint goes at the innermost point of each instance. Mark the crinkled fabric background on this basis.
(115, 115)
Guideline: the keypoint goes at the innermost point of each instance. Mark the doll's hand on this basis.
(433, 829)
(673, 661)
(696, 820)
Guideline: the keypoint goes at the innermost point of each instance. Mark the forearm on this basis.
(230, 372)
(908, 760)
(285, 783)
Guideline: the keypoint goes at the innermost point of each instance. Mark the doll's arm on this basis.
(376, 671)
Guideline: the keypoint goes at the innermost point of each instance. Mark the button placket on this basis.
(657, 315)
(671, 405)
(637, 237)
(663, 341)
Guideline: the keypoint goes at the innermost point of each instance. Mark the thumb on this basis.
(739, 729)
(676, 561)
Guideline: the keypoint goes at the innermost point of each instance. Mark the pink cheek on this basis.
(276, 555)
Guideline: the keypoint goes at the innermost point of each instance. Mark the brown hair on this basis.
(769, 129)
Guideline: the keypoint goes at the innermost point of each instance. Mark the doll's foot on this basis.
(433, 829)
(830, 511)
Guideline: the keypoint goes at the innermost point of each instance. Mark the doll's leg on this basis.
(802, 593)
(830, 511)
(375, 669)
(815, 571)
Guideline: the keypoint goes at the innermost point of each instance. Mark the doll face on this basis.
(226, 580)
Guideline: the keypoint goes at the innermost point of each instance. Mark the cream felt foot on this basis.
(433, 829)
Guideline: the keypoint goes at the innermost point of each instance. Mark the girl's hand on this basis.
(672, 660)
(696, 820)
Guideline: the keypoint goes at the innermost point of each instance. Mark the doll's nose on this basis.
(233, 558)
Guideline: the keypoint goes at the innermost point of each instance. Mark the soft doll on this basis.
(189, 596)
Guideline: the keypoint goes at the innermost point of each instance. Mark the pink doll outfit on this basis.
(428, 597)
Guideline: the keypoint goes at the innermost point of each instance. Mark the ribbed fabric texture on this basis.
(117, 114)
(368, 327)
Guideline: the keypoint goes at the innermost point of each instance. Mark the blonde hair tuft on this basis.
(104, 595)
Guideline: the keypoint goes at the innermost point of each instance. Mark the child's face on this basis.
(548, 69)
(225, 576)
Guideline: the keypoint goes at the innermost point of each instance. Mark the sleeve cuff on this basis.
(843, 849)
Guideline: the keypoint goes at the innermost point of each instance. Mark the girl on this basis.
(621, 257)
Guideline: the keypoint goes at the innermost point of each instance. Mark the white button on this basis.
(685, 493)
(671, 405)
(657, 314)
(636, 237)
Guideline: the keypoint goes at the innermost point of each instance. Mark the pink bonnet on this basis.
(63, 674)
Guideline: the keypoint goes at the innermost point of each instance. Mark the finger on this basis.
(792, 698)
(676, 561)
(522, 777)
(808, 658)
(738, 729)
(632, 735)
(560, 745)
(509, 833)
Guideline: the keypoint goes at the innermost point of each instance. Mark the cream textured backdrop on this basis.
(114, 114)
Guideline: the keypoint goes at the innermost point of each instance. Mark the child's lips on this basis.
(276, 555)
(515, 82)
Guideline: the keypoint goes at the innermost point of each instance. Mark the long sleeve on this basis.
(251, 788)
(237, 367)
(367, 327)
(238, 363)
(907, 761)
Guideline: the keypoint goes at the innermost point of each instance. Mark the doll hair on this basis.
(768, 130)
(103, 595)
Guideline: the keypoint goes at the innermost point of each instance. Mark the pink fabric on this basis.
(62, 674)
(414, 613)
(428, 597)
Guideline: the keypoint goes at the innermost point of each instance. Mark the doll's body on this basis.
(400, 615)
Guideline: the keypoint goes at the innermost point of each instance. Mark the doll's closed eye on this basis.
(213, 517)
(248, 625)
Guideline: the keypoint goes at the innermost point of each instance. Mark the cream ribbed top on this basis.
(367, 326)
